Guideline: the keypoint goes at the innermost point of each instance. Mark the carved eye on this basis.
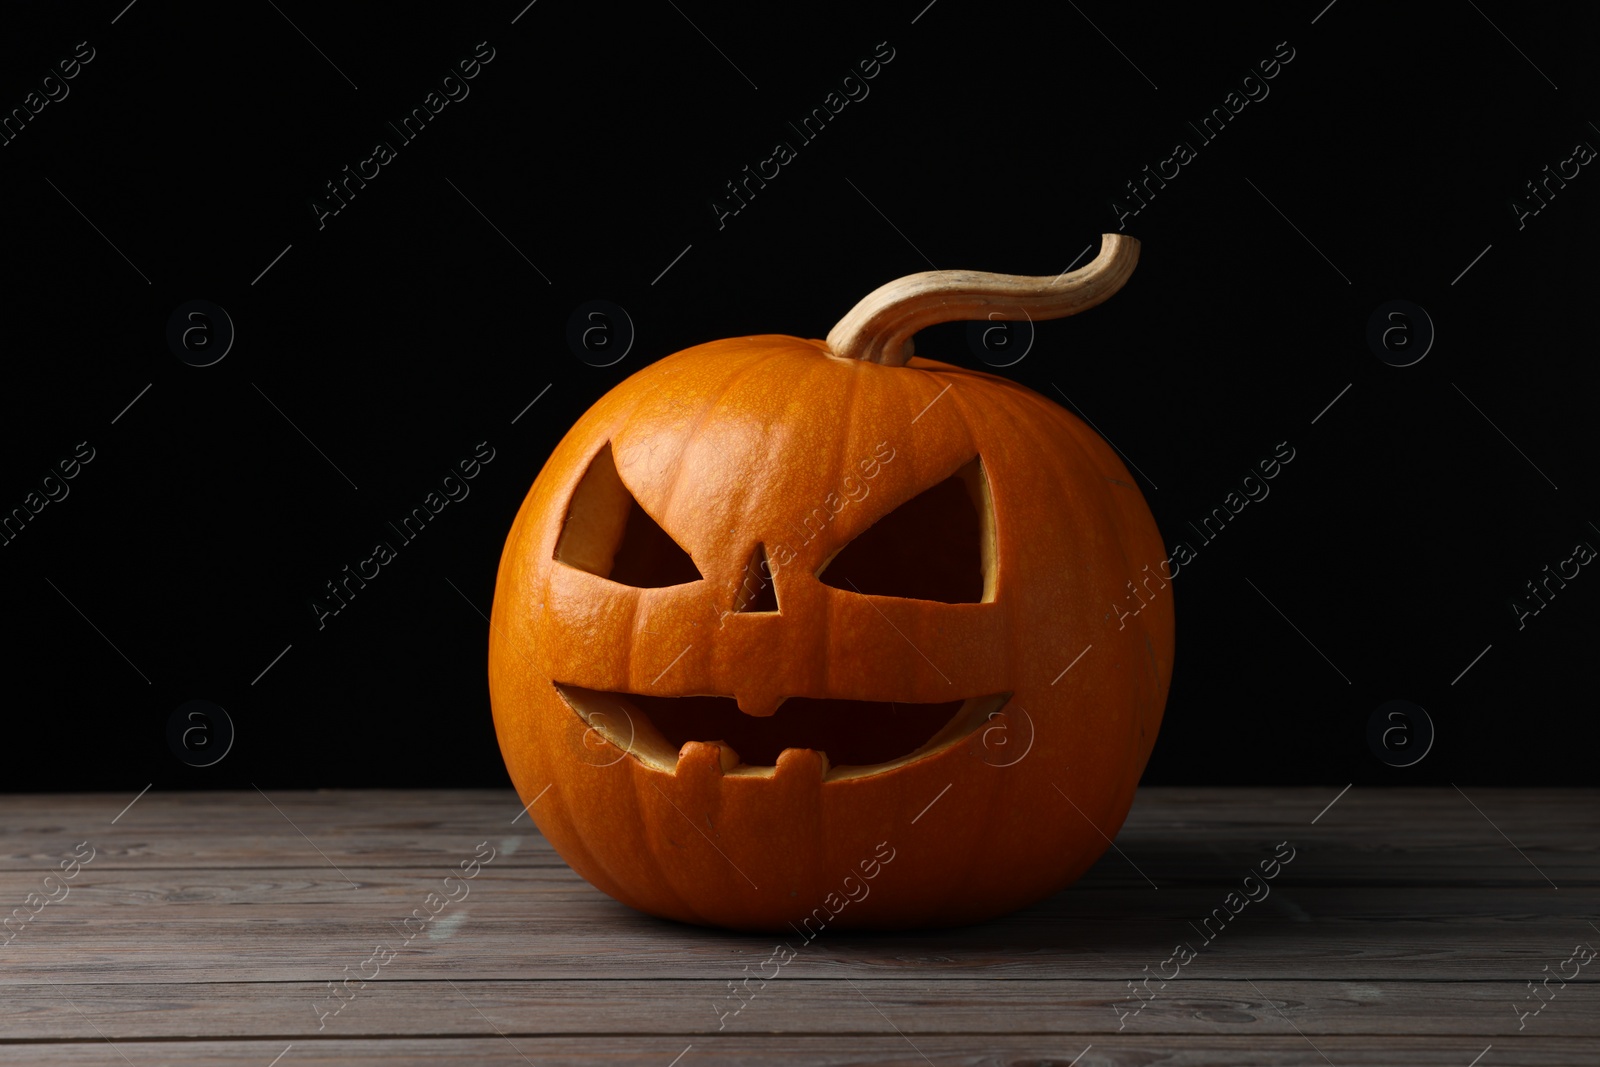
(607, 533)
(939, 545)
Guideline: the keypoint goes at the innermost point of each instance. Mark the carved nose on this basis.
(756, 604)
(759, 700)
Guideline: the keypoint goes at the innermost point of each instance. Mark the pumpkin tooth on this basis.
(795, 762)
(759, 704)
(717, 756)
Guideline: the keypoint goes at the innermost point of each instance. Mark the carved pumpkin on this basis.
(781, 632)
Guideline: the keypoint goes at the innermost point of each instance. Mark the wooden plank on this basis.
(1177, 836)
(701, 1008)
(547, 893)
(222, 916)
(1442, 816)
(613, 941)
(1290, 1050)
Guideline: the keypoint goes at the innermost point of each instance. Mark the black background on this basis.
(408, 329)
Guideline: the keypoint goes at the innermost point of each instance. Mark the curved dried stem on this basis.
(879, 328)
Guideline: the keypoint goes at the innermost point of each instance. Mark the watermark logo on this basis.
(1008, 737)
(850, 88)
(600, 333)
(52, 89)
(55, 893)
(1582, 955)
(51, 488)
(200, 333)
(1550, 581)
(1400, 333)
(1541, 190)
(998, 342)
(450, 488)
(1399, 733)
(1253, 889)
(1249, 87)
(852, 888)
(610, 736)
(449, 88)
(344, 992)
(200, 733)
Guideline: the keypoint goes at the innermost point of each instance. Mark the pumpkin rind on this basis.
(729, 444)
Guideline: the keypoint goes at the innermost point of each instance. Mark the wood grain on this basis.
(788, 1005)
(822, 1051)
(208, 925)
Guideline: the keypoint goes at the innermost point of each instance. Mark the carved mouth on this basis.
(855, 737)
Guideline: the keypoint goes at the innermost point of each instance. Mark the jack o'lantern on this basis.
(807, 634)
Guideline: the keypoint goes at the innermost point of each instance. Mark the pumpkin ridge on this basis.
(638, 776)
(1134, 754)
(1028, 408)
(978, 858)
(686, 439)
(612, 877)
(842, 447)
(692, 433)
(817, 373)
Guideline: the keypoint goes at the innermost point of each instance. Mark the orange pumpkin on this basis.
(781, 633)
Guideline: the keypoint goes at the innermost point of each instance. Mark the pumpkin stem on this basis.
(879, 328)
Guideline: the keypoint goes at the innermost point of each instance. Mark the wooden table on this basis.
(207, 928)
